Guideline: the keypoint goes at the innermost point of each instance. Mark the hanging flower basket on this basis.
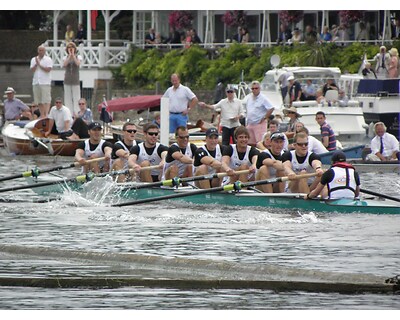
(180, 19)
(351, 16)
(235, 18)
(291, 16)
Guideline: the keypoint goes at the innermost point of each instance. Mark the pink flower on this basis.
(351, 16)
(291, 16)
(235, 18)
(180, 19)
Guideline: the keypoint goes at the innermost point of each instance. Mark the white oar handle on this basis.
(77, 164)
(223, 174)
(144, 169)
(300, 176)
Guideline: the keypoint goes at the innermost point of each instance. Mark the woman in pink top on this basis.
(394, 63)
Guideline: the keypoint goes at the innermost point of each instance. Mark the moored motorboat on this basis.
(378, 98)
(347, 122)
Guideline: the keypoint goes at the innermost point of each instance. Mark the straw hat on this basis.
(393, 52)
(292, 109)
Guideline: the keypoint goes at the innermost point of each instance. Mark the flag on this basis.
(93, 16)
(106, 114)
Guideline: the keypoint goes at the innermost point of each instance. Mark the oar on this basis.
(230, 187)
(79, 179)
(380, 195)
(177, 181)
(47, 146)
(35, 172)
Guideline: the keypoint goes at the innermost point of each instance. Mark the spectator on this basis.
(69, 34)
(231, 110)
(343, 100)
(41, 66)
(284, 34)
(310, 35)
(363, 33)
(309, 91)
(368, 72)
(382, 62)
(195, 37)
(72, 88)
(181, 100)
(80, 35)
(384, 146)
(258, 109)
(393, 71)
(150, 37)
(326, 36)
(15, 109)
(327, 134)
(297, 37)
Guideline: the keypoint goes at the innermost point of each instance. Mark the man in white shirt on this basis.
(231, 110)
(181, 100)
(41, 66)
(60, 120)
(384, 146)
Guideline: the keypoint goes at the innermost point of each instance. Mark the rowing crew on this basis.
(184, 159)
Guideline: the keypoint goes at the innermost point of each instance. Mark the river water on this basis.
(354, 243)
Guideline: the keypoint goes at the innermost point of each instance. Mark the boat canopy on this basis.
(383, 86)
(133, 103)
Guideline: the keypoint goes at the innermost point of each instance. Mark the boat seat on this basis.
(331, 95)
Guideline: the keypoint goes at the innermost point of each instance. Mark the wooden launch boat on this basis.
(27, 138)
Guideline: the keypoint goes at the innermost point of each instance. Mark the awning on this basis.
(132, 103)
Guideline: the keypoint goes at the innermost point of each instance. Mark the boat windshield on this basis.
(268, 83)
(318, 76)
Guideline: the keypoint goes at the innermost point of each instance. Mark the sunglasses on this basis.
(183, 137)
(305, 144)
(229, 91)
(58, 101)
(291, 112)
(81, 104)
(255, 88)
(152, 133)
(131, 131)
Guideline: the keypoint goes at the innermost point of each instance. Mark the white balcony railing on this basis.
(92, 56)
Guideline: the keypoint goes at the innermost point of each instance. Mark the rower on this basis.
(301, 161)
(208, 160)
(269, 164)
(148, 153)
(179, 159)
(240, 156)
(92, 148)
(341, 180)
(120, 152)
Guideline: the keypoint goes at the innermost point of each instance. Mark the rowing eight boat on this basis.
(242, 198)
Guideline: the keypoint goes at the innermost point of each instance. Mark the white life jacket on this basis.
(343, 184)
